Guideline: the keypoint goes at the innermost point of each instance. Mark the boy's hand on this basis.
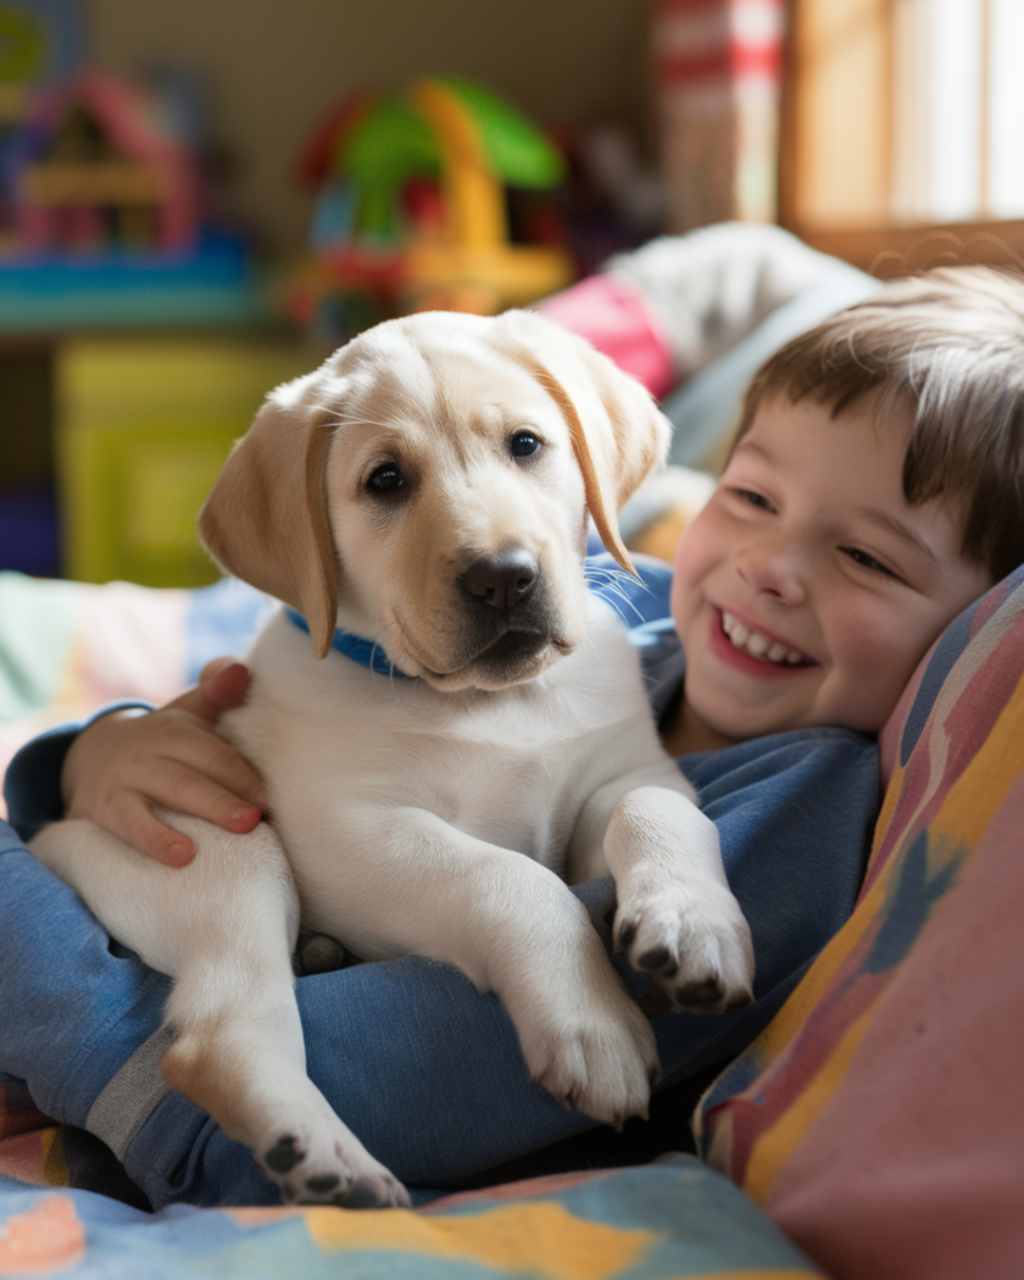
(125, 762)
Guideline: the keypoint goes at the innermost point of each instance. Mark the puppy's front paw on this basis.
(693, 942)
(324, 1169)
(597, 1053)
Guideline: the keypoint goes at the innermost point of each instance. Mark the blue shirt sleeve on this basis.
(32, 782)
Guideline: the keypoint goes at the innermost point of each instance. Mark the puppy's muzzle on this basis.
(507, 618)
(501, 580)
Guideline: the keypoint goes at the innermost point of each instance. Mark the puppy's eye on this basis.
(385, 479)
(524, 444)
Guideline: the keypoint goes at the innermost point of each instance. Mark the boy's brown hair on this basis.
(947, 347)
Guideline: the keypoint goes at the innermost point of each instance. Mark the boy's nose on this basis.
(772, 569)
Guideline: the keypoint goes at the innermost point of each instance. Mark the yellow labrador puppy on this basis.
(439, 696)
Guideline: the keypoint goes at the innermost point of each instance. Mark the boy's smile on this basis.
(807, 590)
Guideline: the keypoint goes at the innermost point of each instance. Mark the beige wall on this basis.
(275, 66)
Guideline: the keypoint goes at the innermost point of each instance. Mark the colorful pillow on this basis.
(879, 1119)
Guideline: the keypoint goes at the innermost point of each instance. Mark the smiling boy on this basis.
(808, 588)
(875, 488)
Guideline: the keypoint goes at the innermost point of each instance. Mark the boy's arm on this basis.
(118, 764)
(32, 782)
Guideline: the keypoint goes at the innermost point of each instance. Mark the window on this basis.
(903, 128)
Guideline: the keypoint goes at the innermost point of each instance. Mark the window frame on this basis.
(883, 246)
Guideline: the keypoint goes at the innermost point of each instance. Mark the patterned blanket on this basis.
(673, 1219)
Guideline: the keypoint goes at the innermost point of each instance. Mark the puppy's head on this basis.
(429, 485)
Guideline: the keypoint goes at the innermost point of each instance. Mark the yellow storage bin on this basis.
(143, 428)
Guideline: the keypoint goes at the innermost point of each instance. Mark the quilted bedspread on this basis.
(671, 1219)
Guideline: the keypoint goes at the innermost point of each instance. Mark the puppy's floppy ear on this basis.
(266, 520)
(617, 430)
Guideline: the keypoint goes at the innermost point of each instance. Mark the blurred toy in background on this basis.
(41, 42)
(96, 166)
(108, 222)
(107, 186)
(435, 197)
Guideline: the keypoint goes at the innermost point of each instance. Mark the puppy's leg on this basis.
(238, 1053)
(676, 917)
(223, 928)
(512, 927)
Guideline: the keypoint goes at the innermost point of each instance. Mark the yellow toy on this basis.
(411, 210)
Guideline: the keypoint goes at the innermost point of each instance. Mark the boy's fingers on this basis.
(134, 823)
(243, 820)
(133, 820)
(203, 796)
(224, 683)
(222, 767)
(195, 703)
(171, 750)
(172, 848)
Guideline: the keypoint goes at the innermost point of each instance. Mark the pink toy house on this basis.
(96, 168)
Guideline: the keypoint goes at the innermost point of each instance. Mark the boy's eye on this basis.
(868, 562)
(753, 499)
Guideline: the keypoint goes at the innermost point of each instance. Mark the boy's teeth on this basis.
(758, 645)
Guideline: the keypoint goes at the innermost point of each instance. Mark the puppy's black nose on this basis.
(503, 579)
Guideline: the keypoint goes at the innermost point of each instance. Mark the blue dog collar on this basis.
(366, 652)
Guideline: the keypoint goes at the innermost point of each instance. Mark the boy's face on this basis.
(807, 590)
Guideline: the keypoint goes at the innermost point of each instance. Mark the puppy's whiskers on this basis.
(611, 582)
(341, 420)
(343, 416)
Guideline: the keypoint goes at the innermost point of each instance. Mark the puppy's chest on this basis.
(511, 770)
(506, 782)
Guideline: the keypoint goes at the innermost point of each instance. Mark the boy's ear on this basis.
(617, 431)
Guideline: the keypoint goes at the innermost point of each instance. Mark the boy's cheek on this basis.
(871, 668)
(681, 604)
(699, 552)
(695, 553)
